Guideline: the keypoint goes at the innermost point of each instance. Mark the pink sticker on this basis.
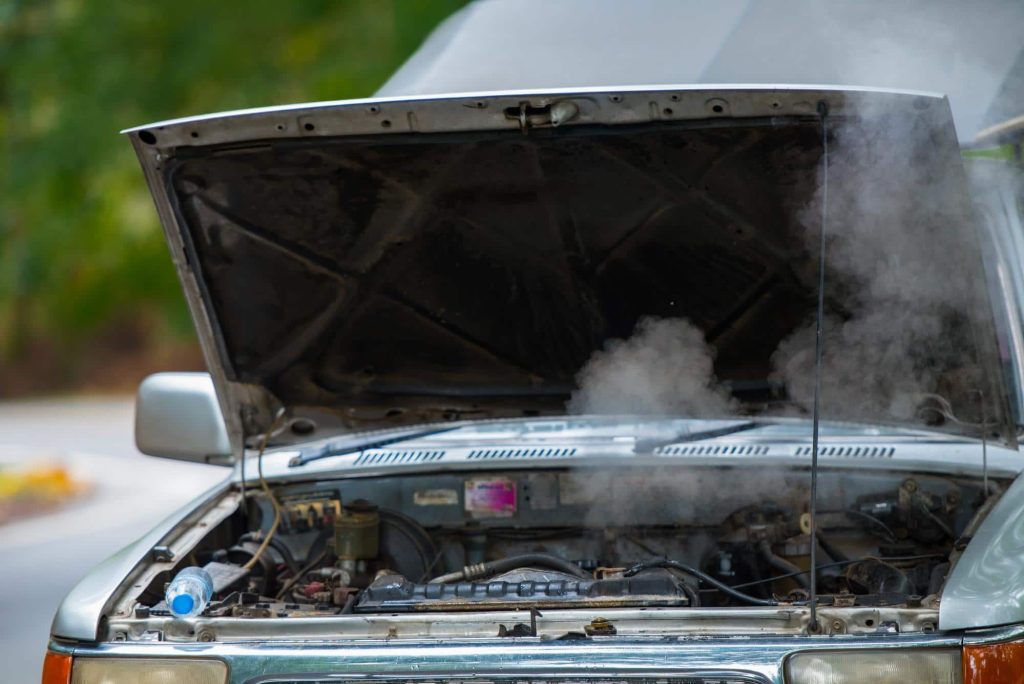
(494, 497)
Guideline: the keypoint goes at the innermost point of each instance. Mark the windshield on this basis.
(666, 269)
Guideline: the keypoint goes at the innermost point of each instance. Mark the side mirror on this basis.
(177, 416)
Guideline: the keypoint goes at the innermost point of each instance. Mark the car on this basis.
(576, 385)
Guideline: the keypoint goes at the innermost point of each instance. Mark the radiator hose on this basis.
(781, 564)
(481, 570)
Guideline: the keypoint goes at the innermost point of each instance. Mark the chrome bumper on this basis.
(679, 660)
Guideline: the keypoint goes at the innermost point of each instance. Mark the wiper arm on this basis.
(647, 446)
(353, 446)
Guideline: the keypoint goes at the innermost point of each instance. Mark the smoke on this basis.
(665, 367)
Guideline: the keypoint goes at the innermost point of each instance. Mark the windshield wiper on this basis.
(345, 447)
(647, 446)
(353, 446)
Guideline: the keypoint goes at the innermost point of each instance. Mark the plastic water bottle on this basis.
(189, 593)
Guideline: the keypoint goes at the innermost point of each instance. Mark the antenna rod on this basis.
(983, 426)
(818, 344)
(984, 443)
(984, 460)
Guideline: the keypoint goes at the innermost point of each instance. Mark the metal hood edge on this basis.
(249, 407)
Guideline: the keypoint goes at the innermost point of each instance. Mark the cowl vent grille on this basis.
(850, 451)
(712, 450)
(390, 457)
(493, 454)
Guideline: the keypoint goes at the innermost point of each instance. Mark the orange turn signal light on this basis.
(56, 668)
(1002, 663)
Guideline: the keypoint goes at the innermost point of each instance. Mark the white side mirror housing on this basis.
(177, 416)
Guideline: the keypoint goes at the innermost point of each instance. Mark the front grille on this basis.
(327, 679)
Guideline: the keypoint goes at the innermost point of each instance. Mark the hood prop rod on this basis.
(818, 346)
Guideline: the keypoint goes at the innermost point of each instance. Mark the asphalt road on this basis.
(41, 558)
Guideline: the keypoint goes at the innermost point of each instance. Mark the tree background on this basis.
(88, 297)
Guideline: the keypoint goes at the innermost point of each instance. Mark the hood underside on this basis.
(374, 263)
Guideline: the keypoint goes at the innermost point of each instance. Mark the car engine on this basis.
(546, 539)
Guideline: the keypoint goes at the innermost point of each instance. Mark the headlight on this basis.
(148, 671)
(897, 666)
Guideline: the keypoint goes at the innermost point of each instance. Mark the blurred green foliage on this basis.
(1002, 153)
(80, 247)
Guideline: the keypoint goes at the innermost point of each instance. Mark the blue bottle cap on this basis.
(182, 604)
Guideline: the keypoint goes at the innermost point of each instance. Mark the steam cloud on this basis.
(665, 367)
(902, 260)
(903, 299)
(675, 493)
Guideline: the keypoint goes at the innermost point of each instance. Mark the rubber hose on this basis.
(780, 563)
(833, 552)
(691, 595)
(480, 570)
(694, 572)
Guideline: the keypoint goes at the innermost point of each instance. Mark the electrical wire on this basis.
(643, 545)
(430, 568)
(302, 573)
(278, 545)
(864, 516)
(270, 495)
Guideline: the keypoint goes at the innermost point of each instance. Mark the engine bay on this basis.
(543, 539)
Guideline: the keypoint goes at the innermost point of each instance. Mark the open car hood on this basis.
(371, 263)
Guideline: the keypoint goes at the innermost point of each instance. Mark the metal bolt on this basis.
(599, 626)
(837, 625)
(206, 635)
